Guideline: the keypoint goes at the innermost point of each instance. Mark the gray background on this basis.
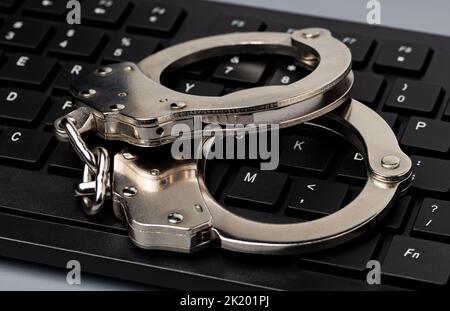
(426, 16)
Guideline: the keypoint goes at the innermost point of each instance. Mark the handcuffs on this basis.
(165, 203)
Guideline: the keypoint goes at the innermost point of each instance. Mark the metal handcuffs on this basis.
(166, 203)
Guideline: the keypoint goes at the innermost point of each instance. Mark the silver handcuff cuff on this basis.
(165, 203)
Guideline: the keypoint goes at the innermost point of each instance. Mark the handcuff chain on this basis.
(96, 181)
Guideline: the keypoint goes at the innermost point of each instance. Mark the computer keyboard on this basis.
(400, 74)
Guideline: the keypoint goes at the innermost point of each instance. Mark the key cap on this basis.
(21, 105)
(416, 97)
(65, 161)
(61, 106)
(101, 12)
(430, 174)
(360, 46)
(312, 197)
(307, 154)
(215, 175)
(417, 260)
(230, 23)
(22, 146)
(396, 217)
(390, 118)
(403, 57)
(76, 42)
(426, 135)
(367, 88)
(199, 88)
(45, 8)
(70, 72)
(286, 74)
(156, 18)
(130, 48)
(353, 257)
(252, 188)
(352, 168)
(240, 69)
(24, 33)
(433, 220)
(27, 69)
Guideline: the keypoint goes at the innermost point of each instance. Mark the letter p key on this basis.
(420, 125)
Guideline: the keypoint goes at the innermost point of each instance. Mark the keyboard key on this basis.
(431, 175)
(416, 97)
(70, 72)
(313, 197)
(76, 42)
(21, 105)
(45, 8)
(286, 74)
(128, 48)
(252, 188)
(397, 214)
(352, 167)
(101, 12)
(360, 46)
(427, 135)
(417, 260)
(390, 118)
(403, 57)
(22, 146)
(367, 88)
(27, 69)
(24, 33)
(230, 23)
(60, 107)
(215, 175)
(151, 18)
(241, 69)
(65, 161)
(433, 219)
(47, 196)
(353, 257)
(307, 154)
(199, 88)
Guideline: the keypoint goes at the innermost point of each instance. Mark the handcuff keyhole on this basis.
(88, 93)
(129, 192)
(117, 107)
(175, 218)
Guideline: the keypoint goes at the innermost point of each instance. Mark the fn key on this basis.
(417, 260)
(253, 188)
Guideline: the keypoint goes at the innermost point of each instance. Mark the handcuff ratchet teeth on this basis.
(165, 203)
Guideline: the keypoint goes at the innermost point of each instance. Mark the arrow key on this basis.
(312, 198)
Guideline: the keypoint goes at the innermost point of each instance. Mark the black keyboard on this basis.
(400, 74)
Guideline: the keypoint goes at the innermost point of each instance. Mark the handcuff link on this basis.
(166, 203)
